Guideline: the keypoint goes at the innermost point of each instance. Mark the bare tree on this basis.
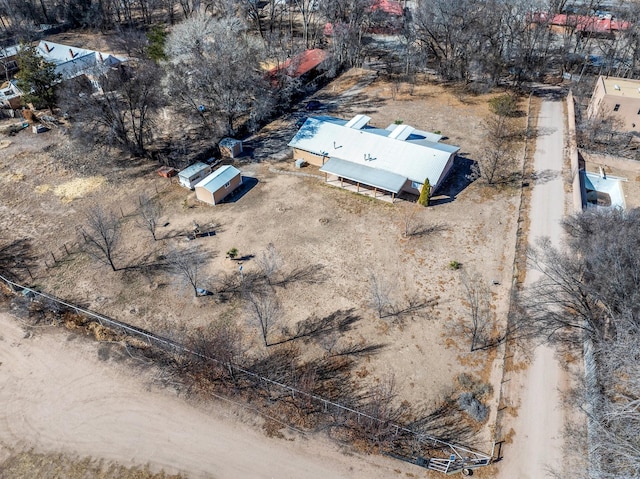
(269, 263)
(149, 214)
(413, 224)
(498, 161)
(101, 233)
(188, 264)
(478, 301)
(589, 294)
(385, 299)
(380, 291)
(264, 310)
(216, 72)
(120, 114)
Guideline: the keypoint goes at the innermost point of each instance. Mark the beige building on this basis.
(219, 184)
(618, 98)
(391, 161)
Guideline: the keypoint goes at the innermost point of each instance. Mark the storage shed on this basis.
(191, 175)
(219, 184)
(230, 147)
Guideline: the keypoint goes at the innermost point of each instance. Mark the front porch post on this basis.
(357, 187)
(375, 192)
(341, 185)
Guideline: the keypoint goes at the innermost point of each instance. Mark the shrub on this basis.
(425, 192)
(454, 265)
(473, 407)
(504, 105)
(232, 253)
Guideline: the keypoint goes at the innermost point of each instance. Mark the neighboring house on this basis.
(618, 99)
(585, 25)
(9, 61)
(390, 161)
(10, 95)
(304, 65)
(191, 175)
(219, 184)
(386, 17)
(72, 62)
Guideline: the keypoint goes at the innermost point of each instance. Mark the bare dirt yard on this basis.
(45, 192)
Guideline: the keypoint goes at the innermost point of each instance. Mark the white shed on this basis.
(193, 174)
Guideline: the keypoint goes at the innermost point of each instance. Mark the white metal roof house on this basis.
(219, 184)
(392, 160)
(191, 175)
(71, 62)
(10, 95)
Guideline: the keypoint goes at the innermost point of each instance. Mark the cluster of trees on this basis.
(209, 65)
(590, 292)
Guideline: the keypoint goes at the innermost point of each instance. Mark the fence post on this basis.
(54, 258)
(65, 248)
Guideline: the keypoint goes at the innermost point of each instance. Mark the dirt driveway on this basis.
(58, 396)
(539, 426)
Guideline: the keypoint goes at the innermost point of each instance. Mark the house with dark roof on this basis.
(368, 160)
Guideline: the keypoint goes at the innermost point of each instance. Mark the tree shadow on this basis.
(339, 321)
(17, 258)
(459, 178)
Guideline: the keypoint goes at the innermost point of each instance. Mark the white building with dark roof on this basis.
(389, 161)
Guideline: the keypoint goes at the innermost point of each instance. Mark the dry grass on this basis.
(56, 465)
(78, 188)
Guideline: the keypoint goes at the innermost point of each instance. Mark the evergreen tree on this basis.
(425, 192)
(37, 78)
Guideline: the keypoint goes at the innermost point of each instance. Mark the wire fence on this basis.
(461, 456)
(75, 240)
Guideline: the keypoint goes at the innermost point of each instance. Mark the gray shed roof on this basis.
(218, 178)
(189, 171)
(364, 174)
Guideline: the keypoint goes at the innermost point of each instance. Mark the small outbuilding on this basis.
(230, 147)
(193, 174)
(219, 184)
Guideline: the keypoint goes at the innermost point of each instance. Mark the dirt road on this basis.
(60, 397)
(538, 427)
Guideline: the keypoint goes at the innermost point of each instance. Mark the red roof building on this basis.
(300, 64)
(583, 24)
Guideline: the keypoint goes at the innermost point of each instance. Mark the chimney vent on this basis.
(71, 53)
(46, 47)
(616, 87)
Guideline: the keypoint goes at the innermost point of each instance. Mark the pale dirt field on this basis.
(59, 397)
(308, 223)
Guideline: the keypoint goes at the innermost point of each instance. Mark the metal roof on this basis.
(218, 178)
(229, 142)
(72, 61)
(189, 171)
(372, 147)
(364, 174)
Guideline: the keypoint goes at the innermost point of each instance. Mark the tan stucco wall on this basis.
(310, 158)
(604, 105)
(205, 195)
